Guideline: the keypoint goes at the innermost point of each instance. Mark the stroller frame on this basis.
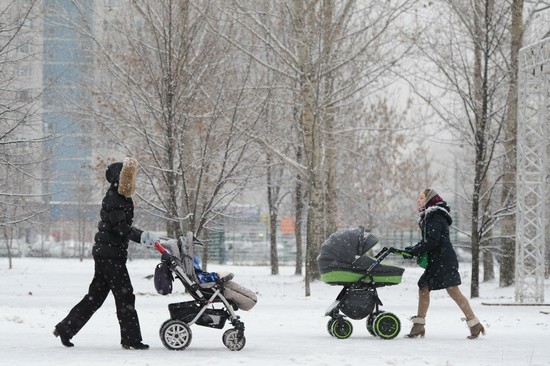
(364, 294)
(175, 333)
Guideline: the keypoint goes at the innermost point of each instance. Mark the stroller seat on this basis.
(225, 278)
(238, 296)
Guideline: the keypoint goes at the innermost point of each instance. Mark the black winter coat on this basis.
(442, 271)
(115, 227)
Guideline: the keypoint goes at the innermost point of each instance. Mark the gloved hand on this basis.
(148, 238)
(407, 253)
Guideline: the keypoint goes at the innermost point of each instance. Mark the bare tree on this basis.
(327, 52)
(172, 93)
(470, 59)
(381, 170)
(20, 132)
(508, 246)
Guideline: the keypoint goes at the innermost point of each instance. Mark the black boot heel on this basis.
(66, 341)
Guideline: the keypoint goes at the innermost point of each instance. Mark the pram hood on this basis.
(344, 254)
(345, 250)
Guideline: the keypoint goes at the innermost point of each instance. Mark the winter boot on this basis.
(66, 341)
(136, 345)
(417, 328)
(475, 328)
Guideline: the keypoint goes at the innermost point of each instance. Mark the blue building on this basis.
(66, 60)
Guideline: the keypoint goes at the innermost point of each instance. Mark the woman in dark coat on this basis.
(110, 254)
(442, 269)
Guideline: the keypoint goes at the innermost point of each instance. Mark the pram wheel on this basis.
(370, 327)
(341, 328)
(231, 340)
(386, 325)
(329, 327)
(175, 335)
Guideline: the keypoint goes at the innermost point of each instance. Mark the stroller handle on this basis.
(164, 253)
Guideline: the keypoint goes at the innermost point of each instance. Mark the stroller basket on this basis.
(358, 303)
(186, 311)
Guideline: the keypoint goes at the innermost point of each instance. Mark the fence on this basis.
(219, 252)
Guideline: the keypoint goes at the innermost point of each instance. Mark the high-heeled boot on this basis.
(417, 328)
(66, 341)
(475, 328)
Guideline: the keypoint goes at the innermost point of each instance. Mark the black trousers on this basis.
(110, 274)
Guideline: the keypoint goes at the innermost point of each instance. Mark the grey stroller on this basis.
(214, 303)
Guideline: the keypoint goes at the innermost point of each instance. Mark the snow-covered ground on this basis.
(285, 327)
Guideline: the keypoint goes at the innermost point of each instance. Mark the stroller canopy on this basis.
(343, 258)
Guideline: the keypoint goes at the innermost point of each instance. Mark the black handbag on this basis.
(163, 279)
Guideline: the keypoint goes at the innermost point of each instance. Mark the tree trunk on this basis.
(314, 238)
(272, 205)
(273, 242)
(311, 127)
(508, 245)
(480, 115)
(299, 213)
(312, 153)
(474, 286)
(488, 259)
(331, 196)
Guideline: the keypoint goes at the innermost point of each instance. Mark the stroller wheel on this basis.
(175, 335)
(341, 328)
(370, 327)
(386, 325)
(231, 340)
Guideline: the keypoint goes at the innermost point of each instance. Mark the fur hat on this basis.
(123, 176)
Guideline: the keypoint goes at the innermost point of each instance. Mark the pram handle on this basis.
(160, 248)
(386, 251)
(402, 252)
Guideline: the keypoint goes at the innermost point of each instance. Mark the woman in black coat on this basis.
(442, 269)
(110, 253)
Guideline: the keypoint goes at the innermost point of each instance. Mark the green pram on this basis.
(343, 260)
